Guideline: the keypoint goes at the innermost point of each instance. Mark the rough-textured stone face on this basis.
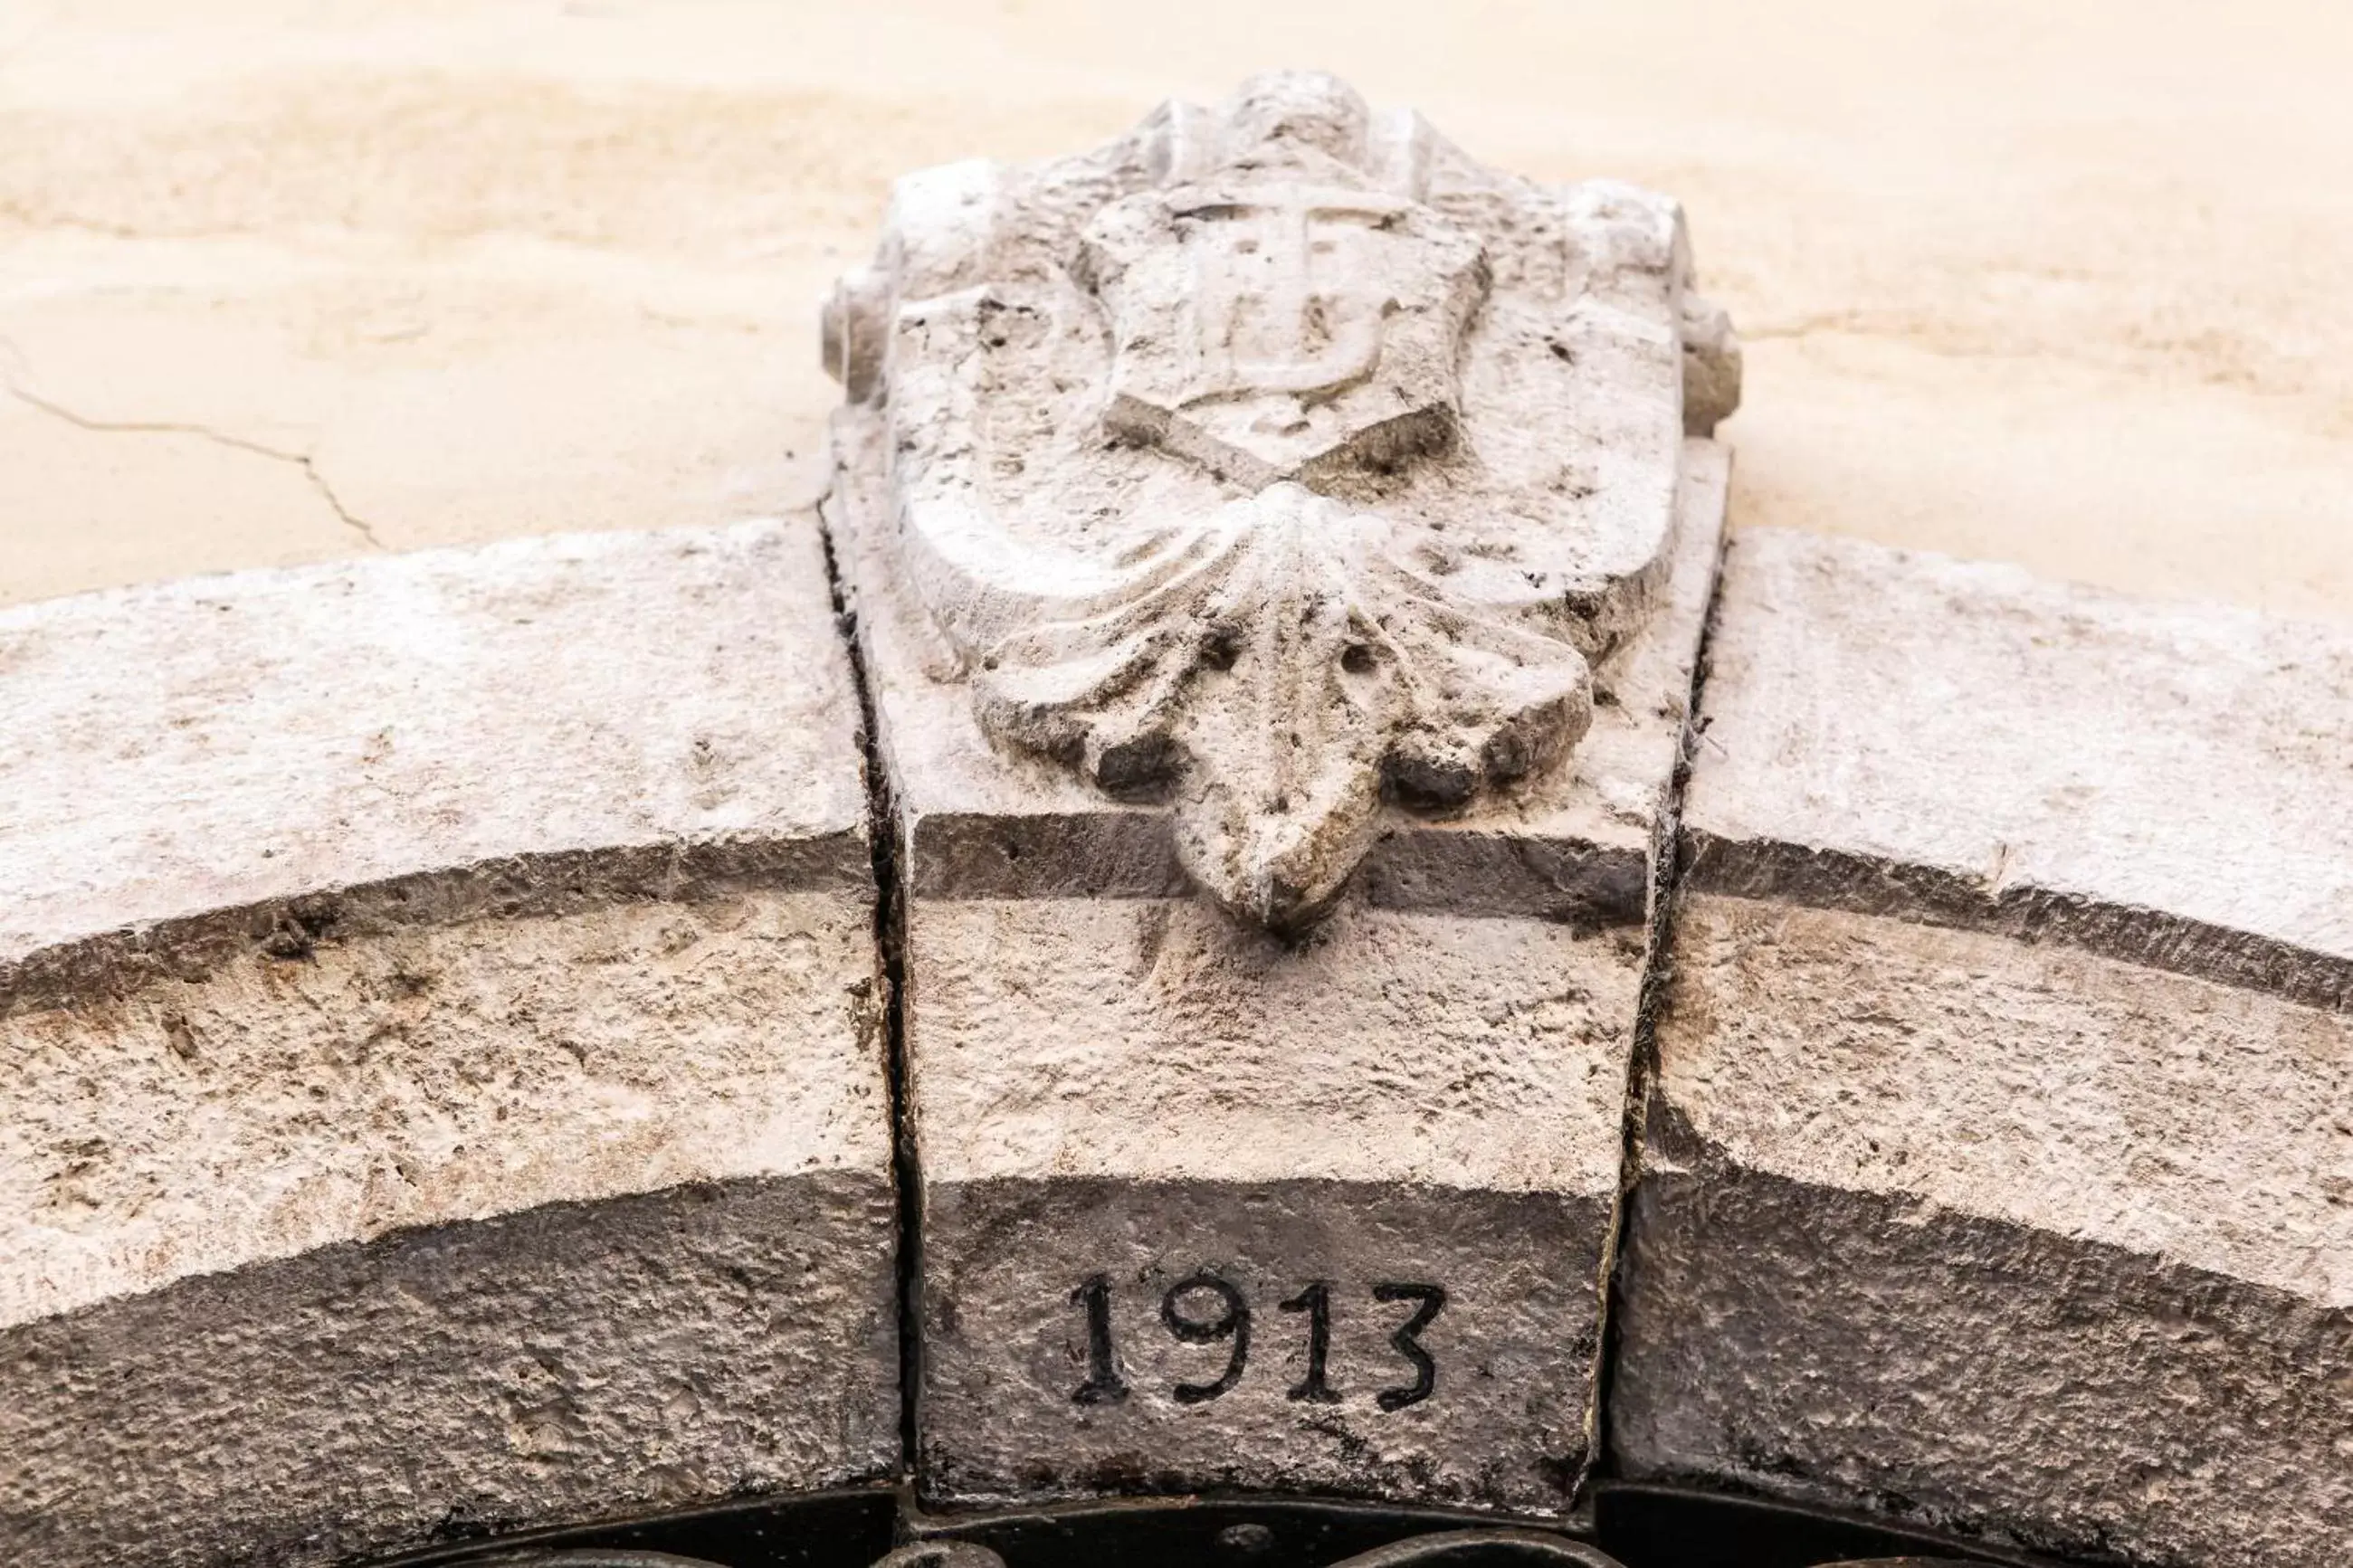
(1494, 1290)
(1273, 506)
(1958, 741)
(557, 1364)
(441, 1076)
(1996, 1165)
(425, 738)
(1125, 1094)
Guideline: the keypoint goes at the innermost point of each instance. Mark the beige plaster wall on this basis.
(2057, 282)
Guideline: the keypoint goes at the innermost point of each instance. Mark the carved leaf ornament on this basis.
(1277, 464)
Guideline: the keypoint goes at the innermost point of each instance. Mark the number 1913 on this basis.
(1205, 1309)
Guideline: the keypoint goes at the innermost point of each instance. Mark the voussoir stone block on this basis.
(1279, 546)
(1998, 1169)
(441, 1072)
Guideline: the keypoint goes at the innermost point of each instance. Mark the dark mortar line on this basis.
(1669, 866)
(890, 940)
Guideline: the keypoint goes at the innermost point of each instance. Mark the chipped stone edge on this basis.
(558, 882)
(1826, 879)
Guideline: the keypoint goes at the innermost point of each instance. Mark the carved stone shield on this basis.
(1277, 463)
(1268, 327)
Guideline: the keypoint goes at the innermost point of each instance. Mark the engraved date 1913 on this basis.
(1203, 1309)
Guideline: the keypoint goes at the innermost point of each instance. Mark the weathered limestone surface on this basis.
(1279, 546)
(1999, 1168)
(1133, 1089)
(2162, 782)
(441, 1078)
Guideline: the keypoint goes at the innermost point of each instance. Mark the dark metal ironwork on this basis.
(1652, 1526)
(591, 1558)
(1483, 1548)
(1441, 1548)
(941, 1554)
(1629, 1527)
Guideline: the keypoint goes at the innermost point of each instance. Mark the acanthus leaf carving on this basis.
(1280, 688)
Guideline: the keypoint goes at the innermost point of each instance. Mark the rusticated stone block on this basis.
(1417, 1116)
(441, 1082)
(1279, 546)
(1999, 1169)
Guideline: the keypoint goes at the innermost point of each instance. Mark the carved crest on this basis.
(1268, 328)
(1279, 464)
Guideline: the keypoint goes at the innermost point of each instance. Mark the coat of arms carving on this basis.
(1277, 463)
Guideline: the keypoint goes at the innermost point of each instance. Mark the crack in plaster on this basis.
(303, 461)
